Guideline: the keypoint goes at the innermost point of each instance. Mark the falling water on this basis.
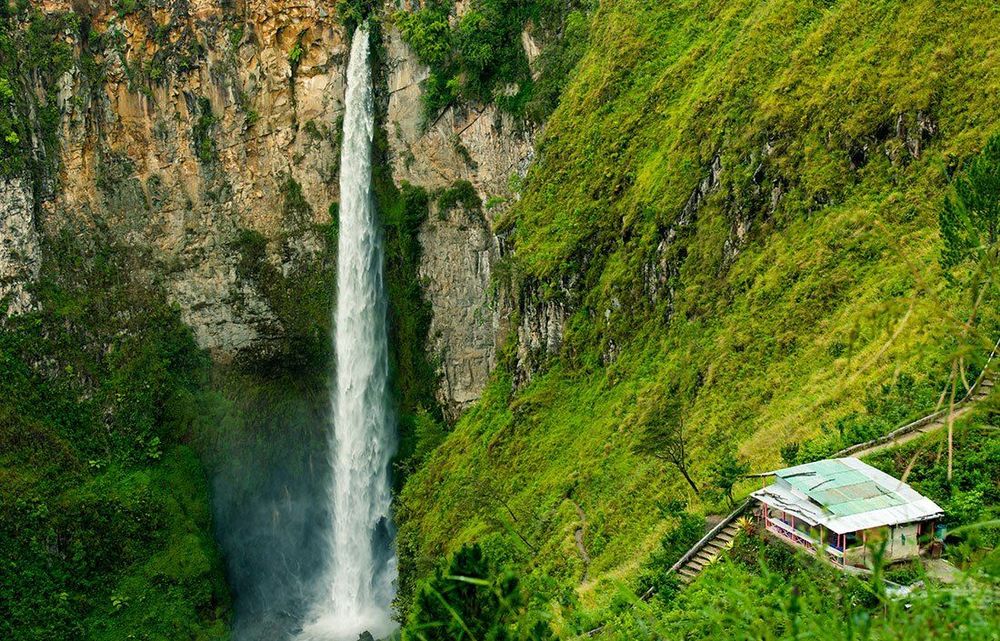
(358, 580)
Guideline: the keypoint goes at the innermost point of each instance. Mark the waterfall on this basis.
(358, 579)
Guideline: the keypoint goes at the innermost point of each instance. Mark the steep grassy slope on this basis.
(737, 202)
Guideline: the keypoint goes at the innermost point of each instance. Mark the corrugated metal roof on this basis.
(840, 488)
(846, 495)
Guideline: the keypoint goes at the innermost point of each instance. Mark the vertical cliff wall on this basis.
(465, 143)
(194, 132)
(206, 136)
(20, 250)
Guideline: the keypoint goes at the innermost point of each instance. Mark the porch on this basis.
(804, 535)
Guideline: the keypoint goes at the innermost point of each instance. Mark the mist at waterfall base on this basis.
(303, 509)
(269, 491)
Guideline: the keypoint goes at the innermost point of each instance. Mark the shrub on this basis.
(461, 193)
(203, 132)
(427, 32)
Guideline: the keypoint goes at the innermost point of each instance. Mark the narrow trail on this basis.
(927, 425)
(581, 546)
(931, 423)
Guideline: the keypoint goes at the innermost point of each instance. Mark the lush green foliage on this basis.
(469, 600)
(104, 525)
(740, 194)
(32, 57)
(765, 593)
(481, 58)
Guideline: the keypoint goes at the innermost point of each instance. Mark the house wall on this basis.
(903, 544)
(856, 556)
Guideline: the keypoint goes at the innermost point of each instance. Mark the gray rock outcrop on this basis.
(20, 249)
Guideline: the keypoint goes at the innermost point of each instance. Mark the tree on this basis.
(663, 436)
(727, 470)
(790, 453)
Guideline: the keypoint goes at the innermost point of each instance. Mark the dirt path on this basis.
(902, 439)
(581, 546)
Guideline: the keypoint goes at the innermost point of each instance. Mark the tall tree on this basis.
(664, 434)
(727, 470)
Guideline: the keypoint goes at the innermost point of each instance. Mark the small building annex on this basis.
(840, 505)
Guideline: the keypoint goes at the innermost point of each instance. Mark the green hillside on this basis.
(800, 299)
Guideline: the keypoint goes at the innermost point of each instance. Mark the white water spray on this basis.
(358, 582)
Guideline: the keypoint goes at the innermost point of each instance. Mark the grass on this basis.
(803, 285)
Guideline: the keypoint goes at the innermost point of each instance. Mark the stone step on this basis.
(705, 557)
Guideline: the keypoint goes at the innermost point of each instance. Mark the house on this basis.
(841, 505)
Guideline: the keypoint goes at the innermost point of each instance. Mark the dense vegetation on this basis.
(738, 205)
(761, 590)
(105, 529)
(480, 59)
(31, 54)
(774, 228)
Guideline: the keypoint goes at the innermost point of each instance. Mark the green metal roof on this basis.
(838, 488)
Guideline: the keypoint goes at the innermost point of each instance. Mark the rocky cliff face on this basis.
(20, 250)
(186, 125)
(471, 314)
(195, 132)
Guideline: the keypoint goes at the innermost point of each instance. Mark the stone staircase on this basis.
(710, 546)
